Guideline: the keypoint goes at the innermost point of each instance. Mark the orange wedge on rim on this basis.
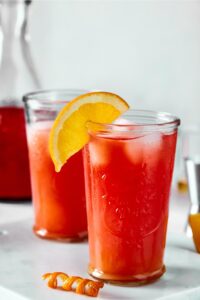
(69, 133)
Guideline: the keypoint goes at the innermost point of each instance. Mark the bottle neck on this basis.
(17, 69)
(13, 20)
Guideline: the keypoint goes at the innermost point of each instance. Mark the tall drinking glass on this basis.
(58, 198)
(128, 173)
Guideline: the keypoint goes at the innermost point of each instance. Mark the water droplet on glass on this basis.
(139, 246)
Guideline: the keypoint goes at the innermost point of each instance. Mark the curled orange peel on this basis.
(77, 284)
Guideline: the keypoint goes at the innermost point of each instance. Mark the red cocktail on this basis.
(14, 165)
(58, 198)
(128, 172)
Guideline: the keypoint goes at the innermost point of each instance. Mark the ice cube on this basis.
(144, 147)
(122, 121)
(37, 127)
(38, 132)
(152, 140)
(134, 149)
(99, 152)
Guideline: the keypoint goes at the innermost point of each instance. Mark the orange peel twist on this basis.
(77, 284)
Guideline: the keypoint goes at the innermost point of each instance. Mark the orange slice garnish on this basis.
(69, 133)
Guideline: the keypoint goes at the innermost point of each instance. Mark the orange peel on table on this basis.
(194, 221)
(77, 284)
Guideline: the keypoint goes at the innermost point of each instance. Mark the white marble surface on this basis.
(24, 258)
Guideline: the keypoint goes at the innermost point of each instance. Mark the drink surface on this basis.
(14, 165)
(58, 198)
(128, 181)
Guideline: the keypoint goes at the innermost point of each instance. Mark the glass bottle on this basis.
(17, 76)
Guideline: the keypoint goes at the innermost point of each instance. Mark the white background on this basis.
(147, 51)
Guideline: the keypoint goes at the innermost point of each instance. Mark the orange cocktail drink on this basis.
(58, 198)
(128, 173)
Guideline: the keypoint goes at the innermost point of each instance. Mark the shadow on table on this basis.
(184, 246)
(178, 277)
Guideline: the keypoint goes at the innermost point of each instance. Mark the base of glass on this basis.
(129, 280)
(45, 234)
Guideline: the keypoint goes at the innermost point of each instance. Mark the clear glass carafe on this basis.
(17, 76)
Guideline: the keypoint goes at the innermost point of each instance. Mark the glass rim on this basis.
(41, 95)
(165, 121)
(50, 98)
